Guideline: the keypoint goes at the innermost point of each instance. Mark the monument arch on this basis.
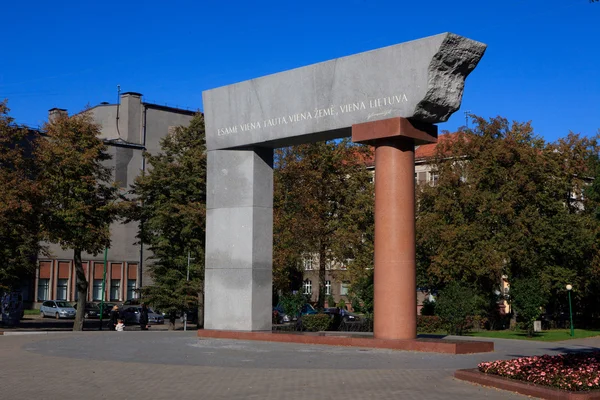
(390, 98)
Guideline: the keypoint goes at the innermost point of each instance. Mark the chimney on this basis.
(55, 113)
(130, 117)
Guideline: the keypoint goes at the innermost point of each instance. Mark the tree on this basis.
(80, 199)
(455, 305)
(323, 206)
(502, 206)
(170, 204)
(527, 300)
(20, 201)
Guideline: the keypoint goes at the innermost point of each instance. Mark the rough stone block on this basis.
(422, 80)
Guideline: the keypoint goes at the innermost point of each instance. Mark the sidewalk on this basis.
(168, 365)
(35, 323)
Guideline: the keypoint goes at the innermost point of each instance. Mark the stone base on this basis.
(525, 388)
(341, 339)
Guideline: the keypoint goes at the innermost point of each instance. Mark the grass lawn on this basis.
(31, 312)
(552, 335)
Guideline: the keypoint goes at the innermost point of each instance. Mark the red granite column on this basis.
(395, 274)
(395, 267)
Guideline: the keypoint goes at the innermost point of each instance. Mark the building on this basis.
(128, 128)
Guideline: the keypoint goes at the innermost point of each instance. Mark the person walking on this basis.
(144, 317)
(114, 317)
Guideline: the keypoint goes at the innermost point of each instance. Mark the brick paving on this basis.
(178, 365)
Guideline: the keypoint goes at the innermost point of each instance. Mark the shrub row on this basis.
(429, 324)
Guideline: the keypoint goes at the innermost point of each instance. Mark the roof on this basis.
(421, 152)
(428, 150)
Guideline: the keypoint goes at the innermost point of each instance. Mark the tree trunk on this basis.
(82, 286)
(322, 263)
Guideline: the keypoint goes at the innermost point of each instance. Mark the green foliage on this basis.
(428, 307)
(323, 206)
(80, 200)
(429, 324)
(169, 203)
(330, 300)
(508, 203)
(362, 293)
(342, 304)
(316, 322)
(292, 303)
(456, 305)
(528, 301)
(20, 201)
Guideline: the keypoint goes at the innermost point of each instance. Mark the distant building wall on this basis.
(128, 129)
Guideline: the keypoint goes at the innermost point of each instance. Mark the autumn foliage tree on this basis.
(170, 204)
(20, 201)
(323, 208)
(80, 199)
(507, 203)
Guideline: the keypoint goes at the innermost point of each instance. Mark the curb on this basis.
(341, 339)
(529, 389)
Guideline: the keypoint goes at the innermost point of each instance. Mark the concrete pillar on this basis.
(395, 276)
(239, 240)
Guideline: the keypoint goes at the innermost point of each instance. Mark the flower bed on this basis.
(573, 372)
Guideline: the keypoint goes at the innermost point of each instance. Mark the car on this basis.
(131, 315)
(107, 308)
(91, 310)
(343, 313)
(280, 316)
(57, 309)
(131, 302)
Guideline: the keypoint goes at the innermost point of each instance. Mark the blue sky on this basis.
(542, 63)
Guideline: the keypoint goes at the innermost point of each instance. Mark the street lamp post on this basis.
(569, 288)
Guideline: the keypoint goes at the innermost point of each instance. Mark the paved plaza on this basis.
(178, 365)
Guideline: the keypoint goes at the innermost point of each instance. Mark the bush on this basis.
(316, 322)
(527, 301)
(428, 307)
(330, 301)
(292, 303)
(429, 324)
(456, 305)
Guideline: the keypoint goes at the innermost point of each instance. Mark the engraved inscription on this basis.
(319, 113)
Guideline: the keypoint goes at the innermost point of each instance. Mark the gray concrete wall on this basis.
(239, 240)
(139, 123)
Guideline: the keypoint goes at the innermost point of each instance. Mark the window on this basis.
(433, 178)
(308, 264)
(307, 287)
(344, 289)
(43, 289)
(422, 176)
(61, 289)
(328, 288)
(131, 289)
(97, 290)
(115, 289)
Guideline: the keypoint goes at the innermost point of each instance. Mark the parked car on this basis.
(131, 302)
(343, 313)
(106, 309)
(131, 315)
(280, 316)
(91, 310)
(57, 309)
